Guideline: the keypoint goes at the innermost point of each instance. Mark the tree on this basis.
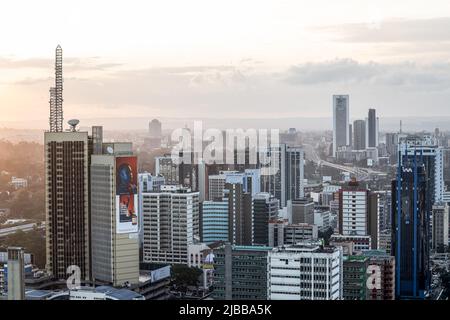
(32, 241)
(183, 276)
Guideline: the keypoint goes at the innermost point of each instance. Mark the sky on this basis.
(225, 59)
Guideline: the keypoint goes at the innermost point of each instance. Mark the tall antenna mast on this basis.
(56, 95)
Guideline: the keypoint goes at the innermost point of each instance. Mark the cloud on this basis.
(70, 64)
(392, 30)
(348, 71)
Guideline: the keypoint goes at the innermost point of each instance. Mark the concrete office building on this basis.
(282, 233)
(214, 221)
(358, 212)
(67, 161)
(115, 215)
(440, 226)
(341, 137)
(265, 208)
(16, 274)
(240, 272)
(171, 224)
(302, 210)
(305, 272)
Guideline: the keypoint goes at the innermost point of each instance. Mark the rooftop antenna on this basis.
(56, 95)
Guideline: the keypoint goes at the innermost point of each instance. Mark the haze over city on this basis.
(226, 60)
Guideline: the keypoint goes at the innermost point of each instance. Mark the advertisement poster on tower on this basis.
(126, 195)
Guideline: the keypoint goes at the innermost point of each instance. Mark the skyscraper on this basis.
(265, 208)
(372, 129)
(359, 133)
(67, 202)
(340, 122)
(67, 156)
(115, 215)
(411, 206)
(240, 214)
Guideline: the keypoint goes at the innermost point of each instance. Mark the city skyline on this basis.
(286, 61)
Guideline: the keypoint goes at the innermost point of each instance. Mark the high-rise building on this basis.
(67, 188)
(214, 221)
(372, 129)
(355, 277)
(411, 209)
(67, 157)
(359, 135)
(358, 212)
(286, 181)
(16, 276)
(115, 215)
(431, 155)
(440, 226)
(294, 173)
(265, 208)
(341, 137)
(350, 135)
(171, 224)
(240, 273)
(240, 215)
(305, 272)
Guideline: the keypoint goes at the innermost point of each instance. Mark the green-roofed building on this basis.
(355, 277)
(240, 272)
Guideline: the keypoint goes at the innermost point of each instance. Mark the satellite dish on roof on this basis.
(110, 150)
(73, 124)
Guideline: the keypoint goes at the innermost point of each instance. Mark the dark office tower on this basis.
(67, 190)
(287, 168)
(294, 173)
(372, 128)
(340, 122)
(411, 228)
(67, 202)
(240, 214)
(359, 135)
(265, 208)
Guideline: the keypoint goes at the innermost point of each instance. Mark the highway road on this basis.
(360, 173)
(24, 227)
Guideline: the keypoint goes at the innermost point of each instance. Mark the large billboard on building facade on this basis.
(126, 195)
